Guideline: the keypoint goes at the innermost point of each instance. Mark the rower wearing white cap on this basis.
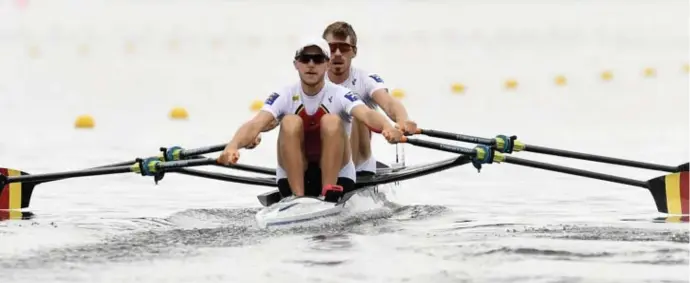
(315, 119)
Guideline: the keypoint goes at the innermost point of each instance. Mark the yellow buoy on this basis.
(511, 84)
(398, 93)
(179, 113)
(84, 122)
(457, 88)
(256, 105)
(560, 80)
(217, 44)
(84, 49)
(649, 72)
(607, 75)
(34, 52)
(130, 47)
(174, 44)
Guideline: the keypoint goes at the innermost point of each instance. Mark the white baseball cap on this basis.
(314, 41)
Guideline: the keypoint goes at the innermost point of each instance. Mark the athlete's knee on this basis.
(291, 124)
(330, 124)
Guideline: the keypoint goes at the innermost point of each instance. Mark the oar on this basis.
(175, 153)
(17, 186)
(167, 154)
(670, 192)
(506, 144)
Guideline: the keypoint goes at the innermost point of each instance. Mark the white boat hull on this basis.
(294, 210)
(366, 200)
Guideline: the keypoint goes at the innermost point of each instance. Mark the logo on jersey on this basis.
(271, 98)
(351, 97)
(376, 78)
(295, 97)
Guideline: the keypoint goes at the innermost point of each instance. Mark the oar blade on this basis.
(14, 196)
(671, 193)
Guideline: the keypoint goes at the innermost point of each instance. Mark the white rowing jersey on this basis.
(364, 84)
(332, 98)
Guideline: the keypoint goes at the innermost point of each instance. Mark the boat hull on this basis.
(279, 211)
(294, 210)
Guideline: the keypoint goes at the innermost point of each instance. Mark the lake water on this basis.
(127, 63)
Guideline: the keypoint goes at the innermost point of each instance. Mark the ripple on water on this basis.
(604, 233)
(183, 233)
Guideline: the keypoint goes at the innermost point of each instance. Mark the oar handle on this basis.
(480, 154)
(454, 136)
(501, 143)
(178, 153)
(202, 150)
(439, 146)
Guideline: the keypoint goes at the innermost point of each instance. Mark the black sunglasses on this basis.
(343, 46)
(317, 58)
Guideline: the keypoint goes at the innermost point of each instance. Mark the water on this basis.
(128, 63)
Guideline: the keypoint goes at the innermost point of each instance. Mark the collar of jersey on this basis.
(321, 92)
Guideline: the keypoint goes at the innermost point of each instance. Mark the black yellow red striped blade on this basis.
(671, 193)
(14, 196)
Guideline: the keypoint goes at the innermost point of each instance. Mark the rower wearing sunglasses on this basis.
(342, 41)
(315, 117)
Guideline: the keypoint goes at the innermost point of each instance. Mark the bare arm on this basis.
(373, 119)
(272, 125)
(246, 134)
(393, 108)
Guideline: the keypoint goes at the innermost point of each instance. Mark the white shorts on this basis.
(368, 165)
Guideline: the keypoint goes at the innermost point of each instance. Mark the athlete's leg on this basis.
(291, 153)
(335, 151)
(360, 141)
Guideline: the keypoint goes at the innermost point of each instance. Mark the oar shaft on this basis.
(70, 174)
(268, 182)
(575, 171)
(553, 151)
(185, 153)
(251, 168)
(599, 158)
(158, 166)
(499, 157)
